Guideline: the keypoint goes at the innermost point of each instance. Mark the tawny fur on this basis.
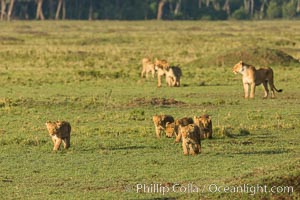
(190, 138)
(204, 123)
(160, 123)
(60, 131)
(253, 77)
(172, 128)
(148, 67)
(172, 73)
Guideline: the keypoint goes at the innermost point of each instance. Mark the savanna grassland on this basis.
(88, 73)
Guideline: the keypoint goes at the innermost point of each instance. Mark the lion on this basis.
(253, 77)
(60, 131)
(172, 128)
(160, 66)
(172, 73)
(160, 122)
(205, 125)
(190, 137)
(184, 121)
(148, 67)
(161, 63)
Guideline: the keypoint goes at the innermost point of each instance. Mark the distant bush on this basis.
(274, 10)
(289, 10)
(240, 14)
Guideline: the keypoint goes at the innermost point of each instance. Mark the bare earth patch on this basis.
(155, 102)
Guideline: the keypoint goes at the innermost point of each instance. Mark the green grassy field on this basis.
(88, 73)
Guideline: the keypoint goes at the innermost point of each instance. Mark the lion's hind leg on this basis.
(67, 142)
(273, 89)
(197, 148)
(193, 149)
(177, 84)
(266, 89)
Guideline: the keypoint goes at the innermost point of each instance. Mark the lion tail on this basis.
(280, 90)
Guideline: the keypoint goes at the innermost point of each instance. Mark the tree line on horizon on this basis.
(148, 9)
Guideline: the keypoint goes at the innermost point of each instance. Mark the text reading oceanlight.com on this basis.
(212, 188)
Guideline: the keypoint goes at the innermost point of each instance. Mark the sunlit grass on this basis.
(88, 73)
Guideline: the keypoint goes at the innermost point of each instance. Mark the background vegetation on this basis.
(88, 73)
(150, 9)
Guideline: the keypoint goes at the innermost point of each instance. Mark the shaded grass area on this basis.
(89, 74)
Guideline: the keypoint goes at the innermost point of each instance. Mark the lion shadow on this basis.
(134, 147)
(265, 152)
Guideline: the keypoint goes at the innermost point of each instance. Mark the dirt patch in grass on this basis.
(154, 102)
(10, 40)
(99, 74)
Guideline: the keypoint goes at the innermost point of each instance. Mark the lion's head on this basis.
(161, 64)
(157, 119)
(237, 68)
(187, 130)
(52, 127)
(170, 129)
(146, 60)
(203, 121)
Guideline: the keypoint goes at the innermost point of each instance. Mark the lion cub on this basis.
(60, 131)
(161, 122)
(148, 67)
(172, 128)
(161, 64)
(190, 137)
(172, 73)
(205, 124)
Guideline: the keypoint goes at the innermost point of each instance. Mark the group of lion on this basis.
(252, 77)
(189, 130)
(162, 67)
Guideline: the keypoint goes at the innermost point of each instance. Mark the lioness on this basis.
(253, 77)
(148, 67)
(160, 122)
(190, 137)
(205, 125)
(60, 131)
